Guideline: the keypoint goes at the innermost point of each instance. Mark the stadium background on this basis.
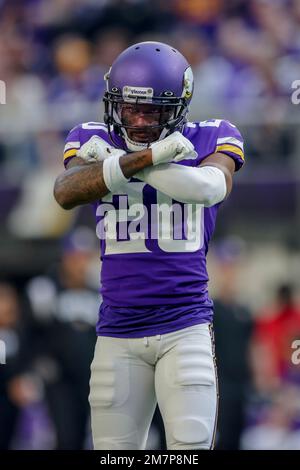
(245, 56)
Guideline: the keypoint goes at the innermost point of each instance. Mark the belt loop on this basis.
(158, 337)
(146, 341)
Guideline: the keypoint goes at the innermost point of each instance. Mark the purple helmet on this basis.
(149, 73)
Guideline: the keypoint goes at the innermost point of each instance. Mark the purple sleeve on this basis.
(80, 134)
(72, 144)
(217, 135)
(230, 141)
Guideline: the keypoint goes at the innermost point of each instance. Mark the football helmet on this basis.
(153, 74)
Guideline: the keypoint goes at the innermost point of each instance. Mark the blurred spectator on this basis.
(66, 308)
(204, 13)
(212, 73)
(18, 386)
(32, 216)
(233, 329)
(275, 414)
(72, 83)
(108, 45)
(277, 326)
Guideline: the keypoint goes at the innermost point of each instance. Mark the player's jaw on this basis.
(144, 134)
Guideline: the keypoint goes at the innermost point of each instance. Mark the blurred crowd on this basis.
(245, 55)
(59, 50)
(53, 55)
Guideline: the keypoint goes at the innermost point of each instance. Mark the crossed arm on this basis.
(202, 185)
(83, 182)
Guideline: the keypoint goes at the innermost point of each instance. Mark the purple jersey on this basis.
(154, 277)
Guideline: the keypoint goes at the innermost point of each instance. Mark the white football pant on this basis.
(130, 375)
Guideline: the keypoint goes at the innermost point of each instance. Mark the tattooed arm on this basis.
(83, 182)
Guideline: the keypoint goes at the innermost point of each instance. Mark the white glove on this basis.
(97, 149)
(173, 148)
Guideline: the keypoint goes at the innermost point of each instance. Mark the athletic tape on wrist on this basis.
(112, 174)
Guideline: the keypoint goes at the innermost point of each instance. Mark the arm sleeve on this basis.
(205, 185)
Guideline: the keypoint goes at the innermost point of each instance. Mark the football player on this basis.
(154, 330)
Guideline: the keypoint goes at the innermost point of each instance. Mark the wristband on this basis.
(112, 174)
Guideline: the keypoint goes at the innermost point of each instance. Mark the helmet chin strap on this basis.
(138, 146)
(132, 145)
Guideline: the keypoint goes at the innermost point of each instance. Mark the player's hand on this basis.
(97, 149)
(173, 148)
